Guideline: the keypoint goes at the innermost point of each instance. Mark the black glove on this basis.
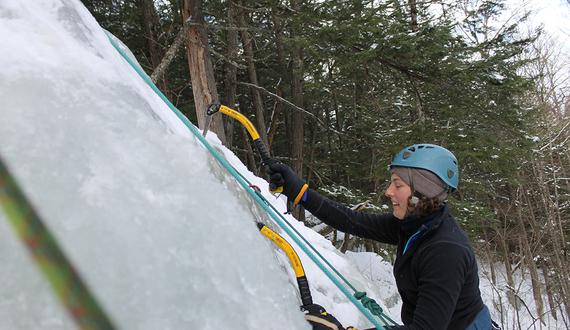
(320, 319)
(281, 175)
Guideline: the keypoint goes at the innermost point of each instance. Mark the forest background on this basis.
(336, 88)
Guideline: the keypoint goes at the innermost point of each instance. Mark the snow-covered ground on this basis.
(161, 232)
(511, 307)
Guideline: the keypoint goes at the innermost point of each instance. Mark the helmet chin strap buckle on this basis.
(414, 200)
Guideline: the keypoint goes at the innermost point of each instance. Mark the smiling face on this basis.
(399, 192)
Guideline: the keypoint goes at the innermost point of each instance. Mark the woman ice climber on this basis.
(435, 268)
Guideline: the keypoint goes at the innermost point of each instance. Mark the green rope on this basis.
(373, 307)
(257, 197)
(64, 280)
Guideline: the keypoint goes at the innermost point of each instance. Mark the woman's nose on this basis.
(389, 192)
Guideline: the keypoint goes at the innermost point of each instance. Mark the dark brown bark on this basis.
(297, 123)
(230, 68)
(248, 49)
(345, 243)
(200, 63)
(312, 151)
(273, 127)
(250, 159)
(294, 118)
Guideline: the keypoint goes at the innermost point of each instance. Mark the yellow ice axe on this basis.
(213, 108)
(304, 290)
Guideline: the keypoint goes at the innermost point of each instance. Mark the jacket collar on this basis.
(412, 225)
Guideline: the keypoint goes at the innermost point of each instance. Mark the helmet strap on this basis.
(442, 192)
(413, 199)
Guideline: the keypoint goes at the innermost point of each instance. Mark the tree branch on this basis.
(180, 38)
(159, 71)
(319, 122)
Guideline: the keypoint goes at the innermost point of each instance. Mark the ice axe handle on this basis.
(263, 152)
(304, 291)
(267, 160)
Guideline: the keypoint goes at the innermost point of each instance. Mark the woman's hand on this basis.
(281, 175)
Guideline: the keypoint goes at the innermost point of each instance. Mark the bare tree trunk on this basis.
(280, 45)
(169, 56)
(282, 91)
(557, 258)
(312, 151)
(413, 15)
(274, 119)
(558, 216)
(491, 260)
(544, 265)
(508, 263)
(415, 114)
(294, 119)
(529, 257)
(247, 43)
(335, 236)
(345, 243)
(560, 239)
(550, 292)
(150, 26)
(200, 63)
(249, 152)
(230, 69)
(297, 122)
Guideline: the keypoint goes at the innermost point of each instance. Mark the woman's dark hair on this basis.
(424, 207)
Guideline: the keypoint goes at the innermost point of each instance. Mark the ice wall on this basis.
(160, 231)
(130, 197)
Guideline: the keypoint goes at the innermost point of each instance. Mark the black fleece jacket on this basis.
(436, 277)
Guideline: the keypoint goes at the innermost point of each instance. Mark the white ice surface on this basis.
(163, 235)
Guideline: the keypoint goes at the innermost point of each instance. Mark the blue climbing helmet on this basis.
(433, 158)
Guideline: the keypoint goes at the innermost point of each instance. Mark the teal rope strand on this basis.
(307, 243)
(368, 303)
(245, 185)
